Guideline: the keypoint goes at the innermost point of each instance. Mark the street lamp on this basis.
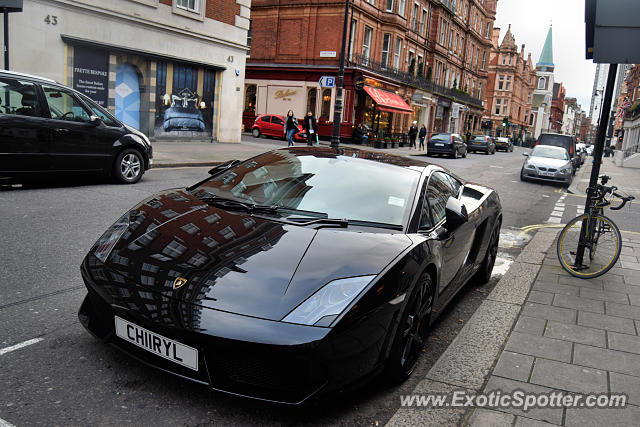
(337, 108)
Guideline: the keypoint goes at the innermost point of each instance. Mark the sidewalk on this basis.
(626, 178)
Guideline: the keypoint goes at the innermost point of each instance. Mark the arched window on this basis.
(542, 83)
(326, 104)
(312, 96)
(250, 99)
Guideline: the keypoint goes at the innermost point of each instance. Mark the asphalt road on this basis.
(66, 377)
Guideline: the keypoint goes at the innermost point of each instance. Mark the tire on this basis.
(412, 330)
(464, 154)
(256, 133)
(483, 275)
(488, 152)
(454, 155)
(600, 255)
(522, 178)
(128, 167)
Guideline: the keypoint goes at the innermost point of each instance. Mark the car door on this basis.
(277, 124)
(77, 144)
(265, 125)
(24, 132)
(453, 242)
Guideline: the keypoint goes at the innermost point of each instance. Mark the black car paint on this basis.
(234, 320)
(31, 144)
(450, 148)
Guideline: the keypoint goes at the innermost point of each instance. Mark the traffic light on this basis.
(505, 122)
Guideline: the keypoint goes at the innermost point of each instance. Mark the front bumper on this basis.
(240, 355)
(534, 174)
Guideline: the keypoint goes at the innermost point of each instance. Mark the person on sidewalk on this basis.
(413, 132)
(310, 127)
(422, 135)
(290, 128)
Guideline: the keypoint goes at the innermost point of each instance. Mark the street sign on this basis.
(327, 81)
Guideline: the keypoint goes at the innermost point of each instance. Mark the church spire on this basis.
(546, 57)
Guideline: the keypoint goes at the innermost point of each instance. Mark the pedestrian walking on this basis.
(468, 136)
(413, 132)
(290, 127)
(422, 135)
(310, 127)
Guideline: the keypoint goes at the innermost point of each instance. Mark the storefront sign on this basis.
(327, 54)
(376, 83)
(359, 83)
(285, 95)
(455, 111)
(444, 102)
(91, 73)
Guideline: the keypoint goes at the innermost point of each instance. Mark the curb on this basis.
(470, 358)
(573, 188)
(184, 164)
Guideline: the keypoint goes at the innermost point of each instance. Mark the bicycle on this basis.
(590, 244)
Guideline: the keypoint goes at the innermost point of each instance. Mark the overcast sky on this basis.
(529, 24)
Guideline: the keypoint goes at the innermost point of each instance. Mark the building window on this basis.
(443, 29)
(498, 106)
(366, 43)
(488, 29)
(326, 104)
(190, 5)
(401, 7)
(484, 59)
(508, 83)
(412, 64)
(542, 83)
(450, 38)
(424, 20)
(190, 8)
(505, 107)
(457, 42)
(510, 58)
(249, 37)
(396, 53)
(414, 18)
(529, 98)
(480, 90)
(386, 41)
(504, 60)
(250, 99)
(352, 37)
(389, 6)
(312, 96)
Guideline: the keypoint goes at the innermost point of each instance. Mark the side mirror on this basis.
(223, 166)
(525, 154)
(95, 120)
(455, 214)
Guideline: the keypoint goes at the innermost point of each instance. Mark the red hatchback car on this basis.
(273, 125)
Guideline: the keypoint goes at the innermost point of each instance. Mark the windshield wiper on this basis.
(212, 199)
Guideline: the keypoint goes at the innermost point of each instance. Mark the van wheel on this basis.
(256, 133)
(128, 167)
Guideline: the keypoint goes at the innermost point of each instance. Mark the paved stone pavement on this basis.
(573, 335)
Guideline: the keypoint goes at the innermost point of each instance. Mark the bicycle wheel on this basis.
(602, 242)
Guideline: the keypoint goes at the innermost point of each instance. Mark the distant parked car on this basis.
(48, 128)
(482, 143)
(547, 163)
(581, 149)
(565, 141)
(273, 125)
(589, 149)
(503, 143)
(450, 144)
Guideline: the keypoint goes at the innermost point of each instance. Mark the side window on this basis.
(18, 97)
(425, 216)
(454, 184)
(106, 118)
(265, 119)
(64, 106)
(438, 192)
(277, 121)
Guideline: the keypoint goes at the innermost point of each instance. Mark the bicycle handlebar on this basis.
(624, 201)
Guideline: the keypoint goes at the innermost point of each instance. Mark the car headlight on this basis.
(322, 308)
(529, 166)
(566, 169)
(108, 240)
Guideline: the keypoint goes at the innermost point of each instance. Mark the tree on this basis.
(429, 73)
(412, 65)
(420, 69)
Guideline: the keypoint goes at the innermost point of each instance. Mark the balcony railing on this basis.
(359, 61)
(449, 6)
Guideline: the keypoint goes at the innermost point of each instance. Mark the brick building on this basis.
(557, 107)
(422, 60)
(143, 59)
(510, 89)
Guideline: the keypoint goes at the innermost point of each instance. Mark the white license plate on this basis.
(157, 344)
(438, 144)
(546, 173)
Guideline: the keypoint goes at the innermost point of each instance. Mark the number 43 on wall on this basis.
(51, 20)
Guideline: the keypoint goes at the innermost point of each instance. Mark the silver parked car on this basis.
(547, 163)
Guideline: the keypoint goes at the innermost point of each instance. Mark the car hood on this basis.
(546, 162)
(233, 261)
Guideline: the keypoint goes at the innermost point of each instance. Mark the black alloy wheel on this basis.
(484, 273)
(412, 331)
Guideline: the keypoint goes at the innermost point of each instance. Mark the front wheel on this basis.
(256, 133)
(486, 268)
(601, 244)
(412, 331)
(128, 167)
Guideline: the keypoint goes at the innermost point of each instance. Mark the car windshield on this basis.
(335, 185)
(549, 152)
(555, 140)
(441, 137)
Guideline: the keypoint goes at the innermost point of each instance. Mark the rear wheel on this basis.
(412, 331)
(464, 154)
(454, 155)
(256, 133)
(129, 166)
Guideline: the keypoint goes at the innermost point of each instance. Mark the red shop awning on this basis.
(387, 101)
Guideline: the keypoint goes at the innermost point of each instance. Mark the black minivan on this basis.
(565, 141)
(48, 128)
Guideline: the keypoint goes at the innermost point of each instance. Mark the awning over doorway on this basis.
(387, 101)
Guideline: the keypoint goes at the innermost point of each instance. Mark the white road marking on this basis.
(497, 167)
(554, 220)
(4, 423)
(18, 347)
(502, 265)
(560, 204)
(544, 195)
(557, 213)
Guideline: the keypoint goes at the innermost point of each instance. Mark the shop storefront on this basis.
(421, 103)
(441, 119)
(380, 108)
